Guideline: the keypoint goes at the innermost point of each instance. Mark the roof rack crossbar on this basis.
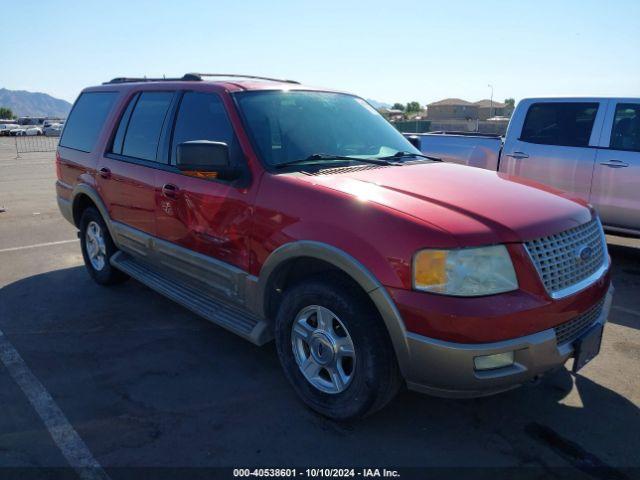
(235, 75)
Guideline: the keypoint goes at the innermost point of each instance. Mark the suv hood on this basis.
(476, 206)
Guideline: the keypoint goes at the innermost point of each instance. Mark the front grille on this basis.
(557, 257)
(571, 330)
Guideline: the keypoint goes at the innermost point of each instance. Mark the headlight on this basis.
(465, 272)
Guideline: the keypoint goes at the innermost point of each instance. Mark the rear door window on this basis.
(557, 123)
(86, 120)
(625, 134)
(145, 125)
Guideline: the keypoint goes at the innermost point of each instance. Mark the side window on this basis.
(202, 116)
(625, 134)
(122, 126)
(145, 125)
(556, 123)
(86, 120)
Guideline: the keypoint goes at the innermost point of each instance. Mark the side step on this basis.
(234, 319)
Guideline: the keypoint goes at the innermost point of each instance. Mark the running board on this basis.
(234, 319)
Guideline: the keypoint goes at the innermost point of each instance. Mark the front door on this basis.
(553, 145)
(209, 219)
(616, 180)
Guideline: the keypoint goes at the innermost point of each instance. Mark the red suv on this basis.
(281, 211)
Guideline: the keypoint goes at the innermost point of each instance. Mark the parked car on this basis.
(586, 147)
(17, 132)
(53, 130)
(5, 129)
(280, 211)
(33, 131)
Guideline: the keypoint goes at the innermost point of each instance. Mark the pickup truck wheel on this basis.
(335, 350)
(98, 248)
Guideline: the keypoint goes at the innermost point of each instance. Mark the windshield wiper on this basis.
(409, 154)
(328, 157)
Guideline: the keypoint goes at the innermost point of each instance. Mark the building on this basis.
(458, 109)
(488, 109)
(392, 114)
(452, 109)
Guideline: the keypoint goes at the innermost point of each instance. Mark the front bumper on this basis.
(447, 369)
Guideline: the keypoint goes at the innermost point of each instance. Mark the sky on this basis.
(384, 50)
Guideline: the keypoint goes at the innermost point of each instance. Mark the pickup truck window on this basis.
(293, 125)
(625, 134)
(86, 120)
(557, 123)
(202, 116)
(145, 125)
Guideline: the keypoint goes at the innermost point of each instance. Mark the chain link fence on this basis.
(35, 144)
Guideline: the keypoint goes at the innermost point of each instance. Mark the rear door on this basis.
(553, 142)
(127, 171)
(616, 180)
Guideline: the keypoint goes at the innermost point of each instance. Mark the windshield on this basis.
(294, 125)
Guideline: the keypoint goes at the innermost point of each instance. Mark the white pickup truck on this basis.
(586, 147)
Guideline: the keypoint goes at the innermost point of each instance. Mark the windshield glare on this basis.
(293, 125)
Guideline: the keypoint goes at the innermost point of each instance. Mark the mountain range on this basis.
(33, 104)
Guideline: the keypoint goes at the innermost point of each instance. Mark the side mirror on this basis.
(414, 140)
(205, 159)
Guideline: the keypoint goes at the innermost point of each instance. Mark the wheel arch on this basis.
(285, 257)
(85, 196)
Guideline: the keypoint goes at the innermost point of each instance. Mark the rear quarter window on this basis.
(86, 120)
(557, 123)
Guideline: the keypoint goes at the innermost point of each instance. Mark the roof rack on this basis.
(193, 77)
(235, 75)
(189, 77)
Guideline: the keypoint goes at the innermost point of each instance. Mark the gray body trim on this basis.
(66, 209)
(206, 272)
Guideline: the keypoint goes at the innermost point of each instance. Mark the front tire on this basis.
(335, 349)
(98, 248)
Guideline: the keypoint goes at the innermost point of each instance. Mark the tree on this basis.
(6, 113)
(398, 106)
(510, 102)
(413, 107)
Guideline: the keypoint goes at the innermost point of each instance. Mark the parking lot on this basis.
(140, 382)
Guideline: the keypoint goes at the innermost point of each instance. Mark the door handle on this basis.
(517, 155)
(169, 190)
(104, 172)
(615, 164)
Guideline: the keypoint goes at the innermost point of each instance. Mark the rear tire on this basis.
(98, 248)
(310, 353)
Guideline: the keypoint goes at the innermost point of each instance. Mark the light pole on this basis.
(491, 101)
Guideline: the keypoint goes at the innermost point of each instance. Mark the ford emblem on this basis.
(584, 253)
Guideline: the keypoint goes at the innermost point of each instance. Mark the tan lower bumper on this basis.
(447, 369)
